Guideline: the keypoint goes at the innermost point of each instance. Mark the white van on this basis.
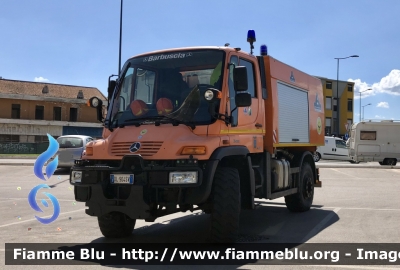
(334, 148)
(375, 141)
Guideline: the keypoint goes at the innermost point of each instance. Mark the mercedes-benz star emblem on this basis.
(134, 147)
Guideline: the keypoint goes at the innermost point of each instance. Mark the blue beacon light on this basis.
(251, 37)
(263, 50)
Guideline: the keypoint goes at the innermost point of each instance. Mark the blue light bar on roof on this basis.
(251, 36)
(263, 50)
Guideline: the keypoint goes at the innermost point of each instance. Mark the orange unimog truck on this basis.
(208, 128)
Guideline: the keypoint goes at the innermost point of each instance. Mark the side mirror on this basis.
(111, 87)
(97, 103)
(240, 78)
(243, 100)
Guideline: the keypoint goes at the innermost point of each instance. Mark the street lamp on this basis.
(363, 110)
(120, 39)
(360, 99)
(337, 91)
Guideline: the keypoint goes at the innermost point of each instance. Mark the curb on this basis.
(17, 164)
(358, 167)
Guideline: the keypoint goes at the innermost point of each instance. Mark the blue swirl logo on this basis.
(50, 169)
(44, 157)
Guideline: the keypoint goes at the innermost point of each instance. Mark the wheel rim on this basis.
(308, 191)
(316, 157)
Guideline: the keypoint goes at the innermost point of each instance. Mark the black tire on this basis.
(302, 201)
(354, 162)
(390, 161)
(116, 225)
(317, 157)
(226, 206)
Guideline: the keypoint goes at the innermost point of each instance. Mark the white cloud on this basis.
(379, 117)
(383, 104)
(389, 84)
(41, 79)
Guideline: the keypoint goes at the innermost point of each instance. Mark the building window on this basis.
(39, 112)
(328, 103)
(350, 87)
(41, 139)
(328, 85)
(328, 123)
(349, 105)
(73, 114)
(57, 113)
(9, 138)
(15, 111)
(368, 135)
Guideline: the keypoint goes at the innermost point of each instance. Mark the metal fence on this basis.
(23, 148)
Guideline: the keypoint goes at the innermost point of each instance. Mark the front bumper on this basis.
(150, 188)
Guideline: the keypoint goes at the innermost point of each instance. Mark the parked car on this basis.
(71, 148)
(334, 148)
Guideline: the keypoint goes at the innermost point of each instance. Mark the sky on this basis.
(77, 42)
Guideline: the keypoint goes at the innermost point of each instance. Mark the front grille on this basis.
(147, 149)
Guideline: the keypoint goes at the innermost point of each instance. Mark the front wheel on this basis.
(302, 200)
(116, 225)
(317, 157)
(226, 206)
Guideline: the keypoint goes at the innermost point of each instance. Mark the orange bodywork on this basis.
(254, 131)
(278, 71)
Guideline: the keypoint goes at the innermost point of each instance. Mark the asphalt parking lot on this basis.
(356, 204)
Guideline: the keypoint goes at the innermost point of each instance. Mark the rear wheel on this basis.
(116, 225)
(390, 161)
(226, 206)
(302, 200)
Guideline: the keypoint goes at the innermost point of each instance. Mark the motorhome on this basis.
(375, 141)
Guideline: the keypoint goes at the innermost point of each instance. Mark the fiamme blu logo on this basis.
(50, 169)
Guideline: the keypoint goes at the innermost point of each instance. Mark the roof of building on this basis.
(48, 89)
(332, 80)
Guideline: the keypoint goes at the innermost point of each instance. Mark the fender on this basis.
(298, 161)
(200, 194)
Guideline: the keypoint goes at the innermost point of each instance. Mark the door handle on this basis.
(258, 125)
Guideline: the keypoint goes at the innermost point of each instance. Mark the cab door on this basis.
(247, 126)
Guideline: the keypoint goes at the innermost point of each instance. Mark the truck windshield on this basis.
(167, 86)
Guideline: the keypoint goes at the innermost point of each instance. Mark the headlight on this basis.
(208, 95)
(183, 177)
(76, 177)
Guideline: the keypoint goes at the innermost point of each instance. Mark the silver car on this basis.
(71, 148)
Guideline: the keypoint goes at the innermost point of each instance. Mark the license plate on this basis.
(121, 178)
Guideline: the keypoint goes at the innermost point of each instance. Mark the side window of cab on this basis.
(250, 76)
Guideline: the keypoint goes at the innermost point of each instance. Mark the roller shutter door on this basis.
(293, 115)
